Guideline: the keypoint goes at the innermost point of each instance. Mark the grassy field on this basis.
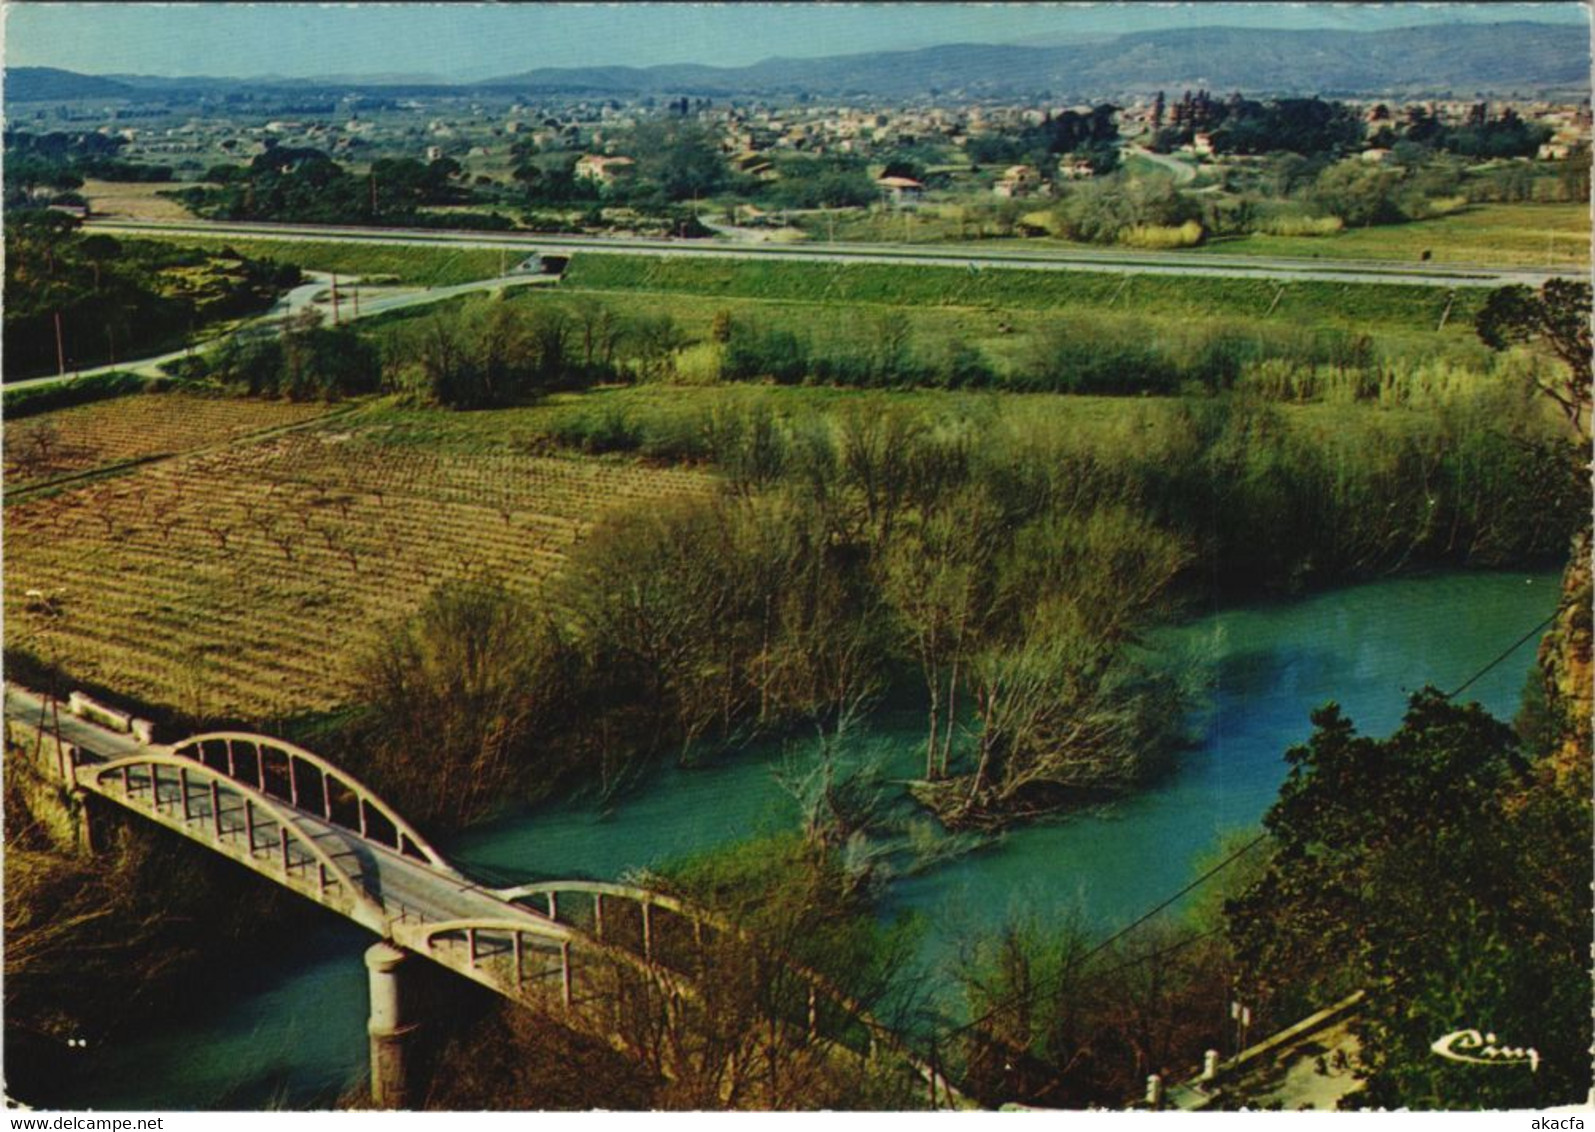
(425, 266)
(1015, 320)
(1526, 235)
(1007, 337)
(239, 581)
(135, 200)
(1305, 302)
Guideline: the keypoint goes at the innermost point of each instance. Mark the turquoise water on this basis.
(299, 1035)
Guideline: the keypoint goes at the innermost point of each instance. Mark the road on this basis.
(973, 256)
(294, 302)
(969, 257)
(1183, 174)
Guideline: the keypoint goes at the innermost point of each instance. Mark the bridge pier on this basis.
(87, 824)
(40, 765)
(393, 1068)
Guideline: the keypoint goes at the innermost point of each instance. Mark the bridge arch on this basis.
(363, 907)
(332, 785)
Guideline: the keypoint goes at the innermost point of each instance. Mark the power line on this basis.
(1512, 648)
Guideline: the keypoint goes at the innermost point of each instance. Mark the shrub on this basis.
(1157, 236)
(20, 403)
(1302, 225)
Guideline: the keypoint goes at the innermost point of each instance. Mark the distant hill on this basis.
(48, 84)
(1460, 59)
(1463, 58)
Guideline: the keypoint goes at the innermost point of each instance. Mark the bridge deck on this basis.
(410, 892)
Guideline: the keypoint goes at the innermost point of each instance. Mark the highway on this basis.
(970, 256)
(967, 256)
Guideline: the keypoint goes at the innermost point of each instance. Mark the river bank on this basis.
(296, 1034)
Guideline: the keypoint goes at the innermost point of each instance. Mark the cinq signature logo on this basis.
(1481, 1049)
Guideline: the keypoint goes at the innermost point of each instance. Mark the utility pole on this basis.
(335, 298)
(60, 349)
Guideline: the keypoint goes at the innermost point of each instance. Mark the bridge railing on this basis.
(827, 1012)
(309, 782)
(541, 961)
(600, 909)
(626, 927)
(272, 842)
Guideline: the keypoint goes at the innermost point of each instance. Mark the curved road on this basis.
(304, 296)
(1183, 174)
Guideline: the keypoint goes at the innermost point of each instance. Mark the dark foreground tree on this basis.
(1439, 873)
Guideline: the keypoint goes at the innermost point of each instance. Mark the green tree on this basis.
(1361, 195)
(1427, 869)
(682, 157)
(99, 250)
(655, 340)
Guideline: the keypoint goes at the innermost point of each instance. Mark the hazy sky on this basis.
(469, 41)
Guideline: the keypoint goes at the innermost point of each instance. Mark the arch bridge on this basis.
(570, 949)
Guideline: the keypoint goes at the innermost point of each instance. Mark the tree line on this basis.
(301, 184)
(1001, 571)
(76, 299)
(52, 166)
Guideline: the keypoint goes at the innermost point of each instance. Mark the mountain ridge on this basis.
(1464, 59)
(1467, 57)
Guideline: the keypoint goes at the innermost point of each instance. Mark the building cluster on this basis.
(492, 133)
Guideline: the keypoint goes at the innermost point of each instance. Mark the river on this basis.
(296, 1035)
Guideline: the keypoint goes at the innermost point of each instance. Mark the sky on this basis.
(473, 41)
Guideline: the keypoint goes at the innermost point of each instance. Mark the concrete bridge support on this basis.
(88, 822)
(40, 766)
(393, 1053)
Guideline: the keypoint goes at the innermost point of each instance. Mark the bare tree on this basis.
(939, 574)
